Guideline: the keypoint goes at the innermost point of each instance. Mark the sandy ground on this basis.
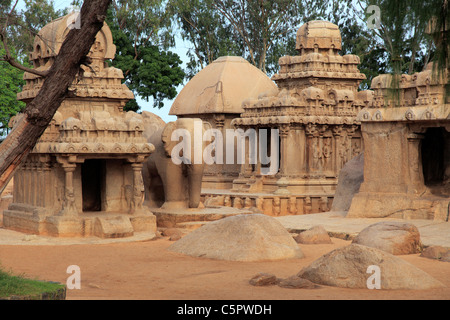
(147, 270)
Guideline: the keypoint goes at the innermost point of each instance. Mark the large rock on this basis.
(436, 252)
(393, 237)
(247, 237)
(314, 235)
(347, 267)
(350, 178)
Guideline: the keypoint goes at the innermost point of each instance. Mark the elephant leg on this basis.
(195, 176)
(175, 186)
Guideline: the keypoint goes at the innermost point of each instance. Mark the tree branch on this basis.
(40, 111)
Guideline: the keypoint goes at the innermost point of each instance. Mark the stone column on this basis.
(69, 207)
(219, 121)
(320, 146)
(310, 130)
(138, 189)
(416, 180)
(337, 133)
(284, 132)
(246, 167)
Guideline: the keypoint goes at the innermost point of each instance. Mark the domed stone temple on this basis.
(215, 94)
(83, 177)
(314, 111)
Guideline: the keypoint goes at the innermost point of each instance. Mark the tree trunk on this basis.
(39, 112)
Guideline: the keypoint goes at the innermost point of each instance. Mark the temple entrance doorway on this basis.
(92, 184)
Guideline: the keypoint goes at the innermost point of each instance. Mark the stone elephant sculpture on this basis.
(168, 183)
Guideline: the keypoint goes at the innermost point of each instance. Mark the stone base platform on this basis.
(35, 220)
(279, 203)
(400, 206)
(193, 218)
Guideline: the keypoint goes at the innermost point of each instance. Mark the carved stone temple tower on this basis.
(83, 177)
(315, 111)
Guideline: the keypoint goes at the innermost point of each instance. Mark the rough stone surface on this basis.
(346, 267)
(88, 161)
(295, 282)
(434, 252)
(401, 167)
(446, 257)
(393, 237)
(314, 235)
(249, 237)
(350, 178)
(263, 279)
(317, 140)
(174, 234)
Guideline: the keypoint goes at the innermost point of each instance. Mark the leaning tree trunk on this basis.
(39, 112)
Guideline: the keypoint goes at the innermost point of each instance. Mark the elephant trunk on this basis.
(195, 185)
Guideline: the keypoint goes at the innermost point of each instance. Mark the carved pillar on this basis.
(416, 180)
(310, 131)
(48, 197)
(69, 207)
(138, 188)
(284, 132)
(219, 121)
(40, 186)
(246, 167)
(320, 149)
(337, 132)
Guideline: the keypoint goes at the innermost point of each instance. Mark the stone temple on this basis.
(314, 110)
(407, 149)
(215, 94)
(83, 177)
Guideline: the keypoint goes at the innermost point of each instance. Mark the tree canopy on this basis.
(142, 38)
(11, 82)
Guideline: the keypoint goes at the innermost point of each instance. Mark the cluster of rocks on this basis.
(376, 245)
(258, 237)
(348, 267)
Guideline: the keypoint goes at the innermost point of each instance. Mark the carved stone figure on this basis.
(292, 205)
(276, 206)
(181, 182)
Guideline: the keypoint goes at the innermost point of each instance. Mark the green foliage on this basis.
(24, 25)
(206, 29)
(149, 71)
(403, 36)
(255, 30)
(12, 285)
(19, 35)
(11, 82)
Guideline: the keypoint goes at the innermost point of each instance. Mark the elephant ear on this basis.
(166, 138)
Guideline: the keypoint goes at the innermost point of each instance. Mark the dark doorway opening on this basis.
(92, 184)
(433, 156)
